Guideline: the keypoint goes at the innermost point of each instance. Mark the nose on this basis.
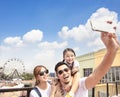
(64, 72)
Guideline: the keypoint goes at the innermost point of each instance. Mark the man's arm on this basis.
(112, 45)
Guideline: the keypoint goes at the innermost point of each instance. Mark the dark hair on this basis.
(68, 49)
(60, 64)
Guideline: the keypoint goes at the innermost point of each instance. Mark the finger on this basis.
(109, 22)
(115, 28)
(110, 35)
(103, 34)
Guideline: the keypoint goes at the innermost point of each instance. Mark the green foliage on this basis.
(27, 76)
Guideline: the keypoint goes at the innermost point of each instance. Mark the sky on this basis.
(37, 31)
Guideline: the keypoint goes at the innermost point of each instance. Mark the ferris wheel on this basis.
(13, 65)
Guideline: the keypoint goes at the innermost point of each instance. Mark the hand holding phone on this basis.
(103, 26)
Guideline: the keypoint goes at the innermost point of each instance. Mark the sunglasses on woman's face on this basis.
(43, 72)
(64, 70)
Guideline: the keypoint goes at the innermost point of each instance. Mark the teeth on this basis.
(65, 77)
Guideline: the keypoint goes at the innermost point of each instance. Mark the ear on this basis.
(56, 75)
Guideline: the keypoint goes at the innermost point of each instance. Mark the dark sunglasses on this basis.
(64, 70)
(43, 72)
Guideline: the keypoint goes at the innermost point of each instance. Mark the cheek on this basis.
(39, 78)
(59, 76)
(67, 59)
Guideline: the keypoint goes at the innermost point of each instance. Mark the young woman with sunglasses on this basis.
(42, 87)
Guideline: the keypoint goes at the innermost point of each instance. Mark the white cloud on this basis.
(96, 44)
(118, 29)
(83, 31)
(77, 33)
(4, 48)
(14, 41)
(33, 36)
(52, 45)
(49, 53)
(104, 14)
(46, 58)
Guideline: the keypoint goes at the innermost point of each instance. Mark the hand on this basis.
(110, 40)
(59, 93)
(116, 39)
(54, 83)
(56, 89)
(75, 70)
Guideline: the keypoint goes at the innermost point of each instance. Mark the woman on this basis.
(42, 87)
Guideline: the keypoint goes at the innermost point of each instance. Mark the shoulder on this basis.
(33, 93)
(82, 91)
(76, 63)
(49, 85)
(82, 82)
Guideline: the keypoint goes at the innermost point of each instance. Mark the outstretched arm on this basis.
(112, 45)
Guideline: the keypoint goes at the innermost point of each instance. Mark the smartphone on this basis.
(103, 26)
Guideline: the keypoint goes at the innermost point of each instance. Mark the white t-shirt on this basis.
(76, 63)
(82, 90)
(44, 93)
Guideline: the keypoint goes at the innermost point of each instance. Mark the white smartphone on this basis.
(103, 26)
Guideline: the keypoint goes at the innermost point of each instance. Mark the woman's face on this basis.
(43, 75)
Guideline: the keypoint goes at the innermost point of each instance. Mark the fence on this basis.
(28, 89)
(106, 90)
(93, 91)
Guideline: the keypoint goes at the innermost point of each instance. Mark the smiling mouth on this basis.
(66, 82)
(45, 77)
(66, 77)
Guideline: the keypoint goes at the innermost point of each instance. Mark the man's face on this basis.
(64, 74)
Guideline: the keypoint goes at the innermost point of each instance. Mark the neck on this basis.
(67, 85)
(43, 85)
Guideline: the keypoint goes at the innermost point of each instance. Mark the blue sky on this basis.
(37, 31)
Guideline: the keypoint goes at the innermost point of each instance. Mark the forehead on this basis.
(61, 67)
(42, 69)
(69, 53)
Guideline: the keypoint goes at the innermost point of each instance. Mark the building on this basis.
(89, 61)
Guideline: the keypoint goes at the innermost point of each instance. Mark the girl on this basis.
(69, 58)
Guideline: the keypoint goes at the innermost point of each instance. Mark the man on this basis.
(64, 73)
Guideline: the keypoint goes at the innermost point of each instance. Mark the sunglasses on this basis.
(64, 70)
(43, 72)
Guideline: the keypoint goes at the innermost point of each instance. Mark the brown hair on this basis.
(36, 71)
